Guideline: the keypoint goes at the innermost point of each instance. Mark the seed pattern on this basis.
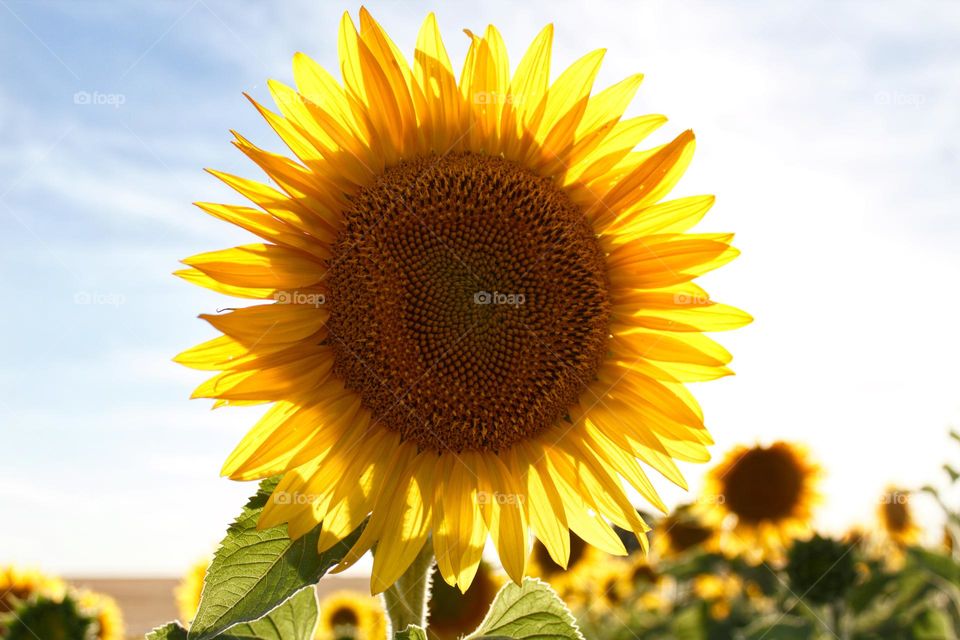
(468, 301)
(764, 484)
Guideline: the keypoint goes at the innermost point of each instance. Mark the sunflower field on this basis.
(455, 308)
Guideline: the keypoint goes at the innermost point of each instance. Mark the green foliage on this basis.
(50, 620)
(821, 570)
(294, 619)
(531, 611)
(253, 570)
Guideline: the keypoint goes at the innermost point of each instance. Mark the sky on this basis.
(830, 133)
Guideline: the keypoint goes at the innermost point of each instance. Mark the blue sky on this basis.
(828, 131)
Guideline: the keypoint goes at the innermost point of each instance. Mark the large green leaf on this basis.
(294, 619)
(254, 571)
(531, 610)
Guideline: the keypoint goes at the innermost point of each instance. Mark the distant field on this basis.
(148, 602)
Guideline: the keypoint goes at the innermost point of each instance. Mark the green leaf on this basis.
(531, 610)
(294, 619)
(171, 631)
(413, 632)
(253, 571)
(954, 475)
(942, 565)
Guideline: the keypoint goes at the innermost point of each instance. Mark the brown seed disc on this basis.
(765, 484)
(468, 301)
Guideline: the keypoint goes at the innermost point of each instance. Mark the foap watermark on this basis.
(691, 298)
(496, 497)
(900, 99)
(300, 297)
(895, 497)
(294, 497)
(718, 498)
(99, 298)
(496, 297)
(495, 97)
(98, 99)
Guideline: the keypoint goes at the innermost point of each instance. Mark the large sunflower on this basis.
(475, 313)
(761, 498)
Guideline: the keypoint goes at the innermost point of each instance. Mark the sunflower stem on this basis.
(406, 600)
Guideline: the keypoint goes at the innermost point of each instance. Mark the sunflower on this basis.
(187, 593)
(350, 615)
(475, 317)
(760, 499)
(896, 519)
(18, 584)
(719, 591)
(453, 614)
(105, 611)
(681, 531)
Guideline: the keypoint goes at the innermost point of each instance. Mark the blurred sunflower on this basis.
(719, 591)
(681, 531)
(482, 315)
(187, 593)
(896, 519)
(761, 498)
(19, 584)
(453, 614)
(105, 611)
(350, 615)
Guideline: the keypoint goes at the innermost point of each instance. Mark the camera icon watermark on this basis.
(96, 98)
(895, 497)
(900, 99)
(495, 97)
(498, 298)
(295, 497)
(691, 299)
(300, 297)
(98, 298)
(496, 497)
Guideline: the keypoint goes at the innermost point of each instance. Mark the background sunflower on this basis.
(761, 498)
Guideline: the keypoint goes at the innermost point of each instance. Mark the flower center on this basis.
(468, 301)
(765, 484)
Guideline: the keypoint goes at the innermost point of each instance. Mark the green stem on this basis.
(406, 600)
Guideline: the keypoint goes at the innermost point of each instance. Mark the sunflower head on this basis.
(897, 522)
(49, 619)
(106, 613)
(761, 498)
(453, 614)
(474, 313)
(19, 584)
(350, 615)
(719, 591)
(187, 593)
